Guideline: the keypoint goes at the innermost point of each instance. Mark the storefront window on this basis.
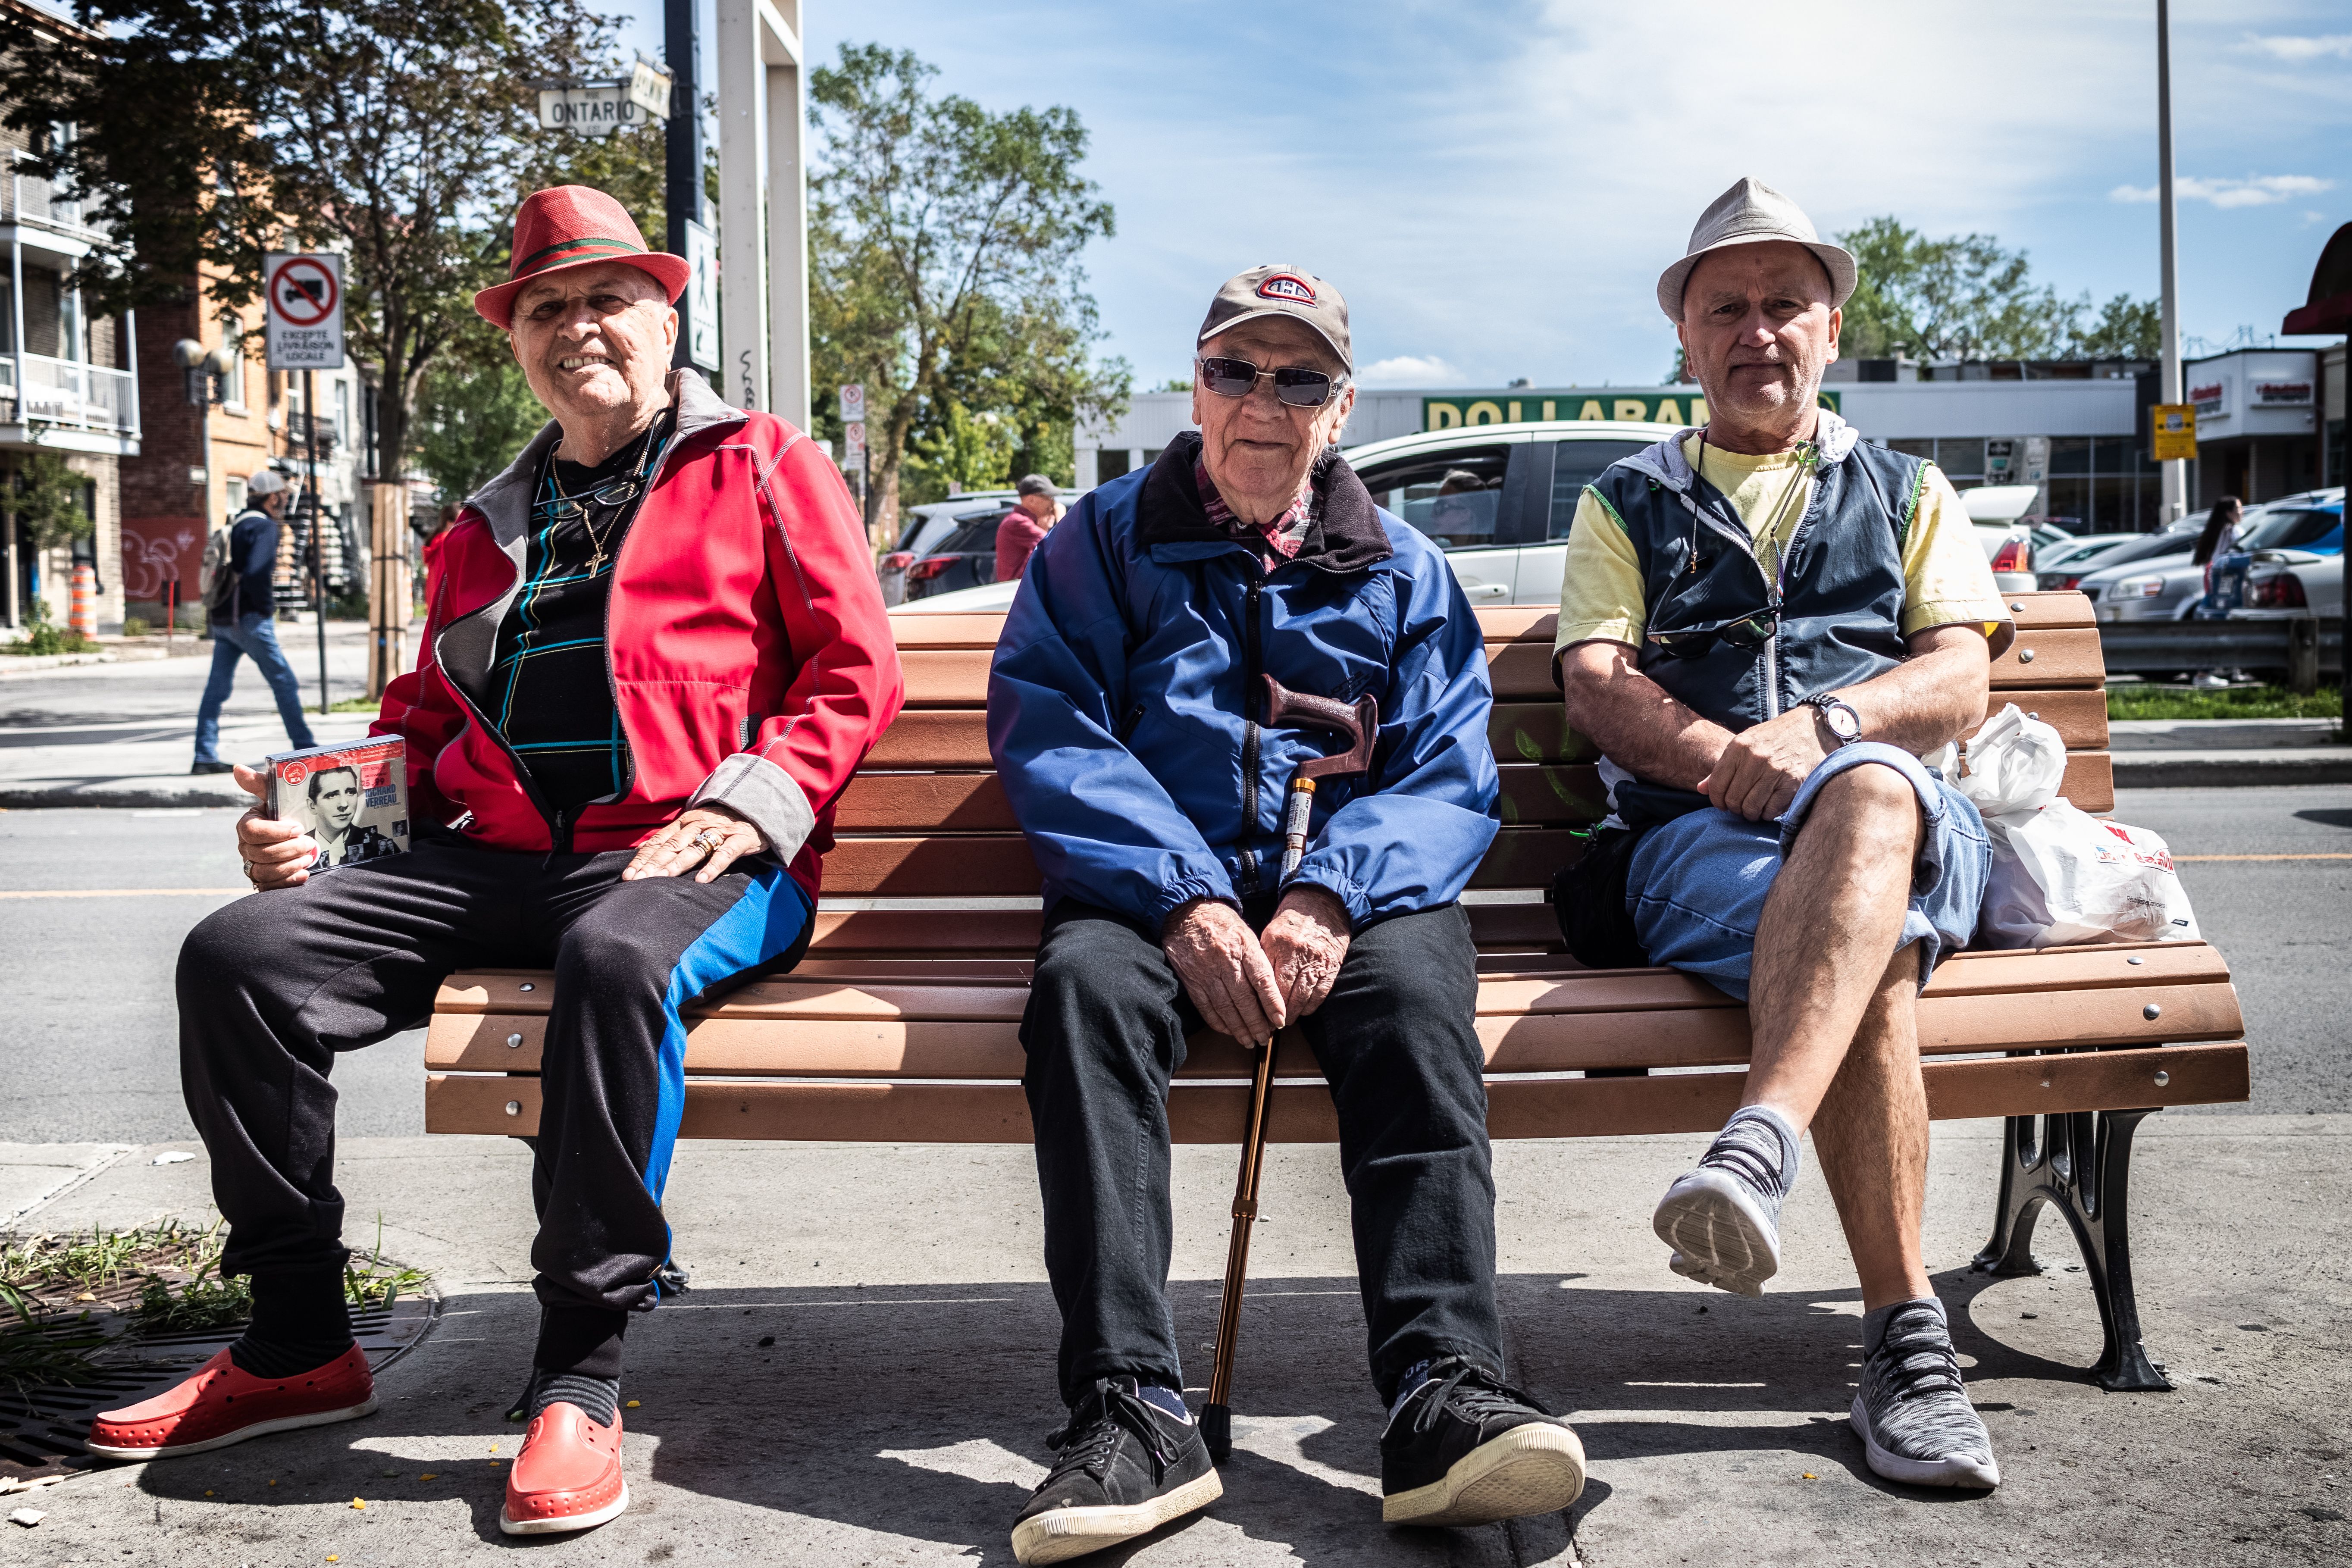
(2069, 455)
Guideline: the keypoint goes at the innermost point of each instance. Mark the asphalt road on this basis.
(87, 1044)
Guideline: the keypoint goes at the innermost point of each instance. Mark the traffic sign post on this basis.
(2175, 432)
(853, 403)
(304, 295)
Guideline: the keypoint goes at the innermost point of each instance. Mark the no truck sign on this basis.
(305, 299)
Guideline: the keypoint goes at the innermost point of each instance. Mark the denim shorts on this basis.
(1697, 886)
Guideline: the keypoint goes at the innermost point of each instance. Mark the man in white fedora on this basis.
(1765, 623)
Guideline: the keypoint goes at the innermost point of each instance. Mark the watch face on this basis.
(1843, 723)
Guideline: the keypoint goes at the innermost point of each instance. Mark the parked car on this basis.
(2278, 560)
(2152, 580)
(1996, 510)
(2278, 589)
(947, 545)
(2065, 563)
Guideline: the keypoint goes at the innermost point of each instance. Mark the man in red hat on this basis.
(655, 652)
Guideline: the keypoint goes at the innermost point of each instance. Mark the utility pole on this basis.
(2176, 473)
(318, 530)
(682, 152)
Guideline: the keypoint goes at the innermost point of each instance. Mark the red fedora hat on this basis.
(574, 225)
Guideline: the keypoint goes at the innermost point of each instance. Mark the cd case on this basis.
(351, 799)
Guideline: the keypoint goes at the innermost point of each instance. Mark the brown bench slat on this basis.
(996, 865)
(874, 989)
(1521, 672)
(966, 1036)
(956, 739)
(975, 802)
(1517, 1107)
(982, 933)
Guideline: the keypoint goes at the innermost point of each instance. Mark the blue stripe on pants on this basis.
(765, 922)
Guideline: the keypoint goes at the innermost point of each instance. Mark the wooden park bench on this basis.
(900, 1025)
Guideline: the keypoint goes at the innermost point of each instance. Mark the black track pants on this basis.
(272, 986)
(1105, 1032)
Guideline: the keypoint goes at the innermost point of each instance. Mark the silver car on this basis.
(2153, 581)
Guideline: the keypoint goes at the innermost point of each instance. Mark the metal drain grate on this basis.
(41, 1428)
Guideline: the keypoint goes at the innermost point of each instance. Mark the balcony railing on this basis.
(62, 392)
(48, 204)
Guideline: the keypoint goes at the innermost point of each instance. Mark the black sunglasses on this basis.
(1695, 642)
(1294, 384)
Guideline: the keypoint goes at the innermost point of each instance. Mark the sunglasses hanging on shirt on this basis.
(1294, 384)
(1747, 633)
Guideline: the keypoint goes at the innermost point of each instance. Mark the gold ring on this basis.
(708, 840)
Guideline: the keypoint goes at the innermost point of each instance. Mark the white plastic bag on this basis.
(2059, 874)
(2062, 876)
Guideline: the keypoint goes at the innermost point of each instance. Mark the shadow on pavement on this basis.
(920, 1413)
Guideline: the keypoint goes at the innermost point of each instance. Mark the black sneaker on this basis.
(1466, 1449)
(1126, 1469)
(214, 768)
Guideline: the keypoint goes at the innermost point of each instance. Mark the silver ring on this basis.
(708, 840)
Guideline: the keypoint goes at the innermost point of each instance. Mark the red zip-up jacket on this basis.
(750, 654)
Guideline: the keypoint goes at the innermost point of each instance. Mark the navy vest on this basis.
(1840, 593)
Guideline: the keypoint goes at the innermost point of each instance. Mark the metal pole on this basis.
(682, 150)
(318, 532)
(2176, 473)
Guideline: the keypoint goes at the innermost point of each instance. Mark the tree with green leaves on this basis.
(50, 499)
(945, 262)
(209, 132)
(1966, 298)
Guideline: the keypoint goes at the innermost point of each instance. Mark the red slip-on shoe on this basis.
(567, 1476)
(223, 1403)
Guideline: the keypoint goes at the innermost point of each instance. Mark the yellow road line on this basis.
(2179, 858)
(121, 892)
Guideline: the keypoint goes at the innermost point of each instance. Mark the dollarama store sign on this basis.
(1641, 405)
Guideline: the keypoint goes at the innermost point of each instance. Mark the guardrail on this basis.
(2163, 647)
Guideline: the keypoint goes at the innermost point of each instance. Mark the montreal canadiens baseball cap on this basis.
(1281, 291)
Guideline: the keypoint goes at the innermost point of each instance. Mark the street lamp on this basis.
(205, 370)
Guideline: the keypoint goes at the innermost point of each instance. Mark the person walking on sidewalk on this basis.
(241, 610)
(654, 653)
(1124, 705)
(1764, 622)
(1025, 526)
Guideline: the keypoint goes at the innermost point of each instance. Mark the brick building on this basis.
(69, 382)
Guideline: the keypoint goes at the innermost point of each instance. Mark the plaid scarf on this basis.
(1281, 536)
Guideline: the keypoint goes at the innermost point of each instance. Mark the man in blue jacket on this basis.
(241, 609)
(1128, 720)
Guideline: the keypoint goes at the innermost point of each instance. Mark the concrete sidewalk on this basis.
(897, 1415)
(2169, 754)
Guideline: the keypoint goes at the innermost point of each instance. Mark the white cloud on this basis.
(2295, 50)
(2253, 190)
(1411, 370)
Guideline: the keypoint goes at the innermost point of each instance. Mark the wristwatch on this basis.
(1844, 723)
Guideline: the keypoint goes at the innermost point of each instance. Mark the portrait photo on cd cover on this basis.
(353, 800)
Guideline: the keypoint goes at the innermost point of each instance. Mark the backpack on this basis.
(212, 575)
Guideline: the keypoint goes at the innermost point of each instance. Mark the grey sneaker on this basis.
(1723, 1218)
(1912, 1411)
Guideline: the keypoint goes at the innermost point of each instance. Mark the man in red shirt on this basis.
(654, 653)
(1025, 526)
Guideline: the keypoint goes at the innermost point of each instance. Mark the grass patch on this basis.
(2241, 702)
(355, 705)
(167, 1275)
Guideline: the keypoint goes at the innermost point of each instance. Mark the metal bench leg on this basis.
(2081, 1168)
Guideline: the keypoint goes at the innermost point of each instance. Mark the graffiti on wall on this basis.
(161, 550)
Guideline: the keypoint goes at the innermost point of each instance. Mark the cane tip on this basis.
(1217, 1431)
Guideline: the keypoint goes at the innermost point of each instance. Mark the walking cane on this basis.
(1359, 724)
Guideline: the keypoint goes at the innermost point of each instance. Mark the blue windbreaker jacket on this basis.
(1125, 716)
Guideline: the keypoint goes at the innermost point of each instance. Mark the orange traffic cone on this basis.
(81, 611)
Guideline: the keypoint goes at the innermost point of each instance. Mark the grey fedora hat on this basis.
(1751, 213)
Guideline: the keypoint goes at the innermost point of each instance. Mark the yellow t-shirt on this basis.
(1946, 579)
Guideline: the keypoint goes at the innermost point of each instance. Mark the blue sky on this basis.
(1495, 186)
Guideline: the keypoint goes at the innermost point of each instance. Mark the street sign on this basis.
(853, 404)
(305, 299)
(701, 298)
(601, 108)
(2176, 432)
(853, 446)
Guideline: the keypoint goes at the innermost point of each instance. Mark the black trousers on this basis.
(1105, 1032)
(274, 985)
